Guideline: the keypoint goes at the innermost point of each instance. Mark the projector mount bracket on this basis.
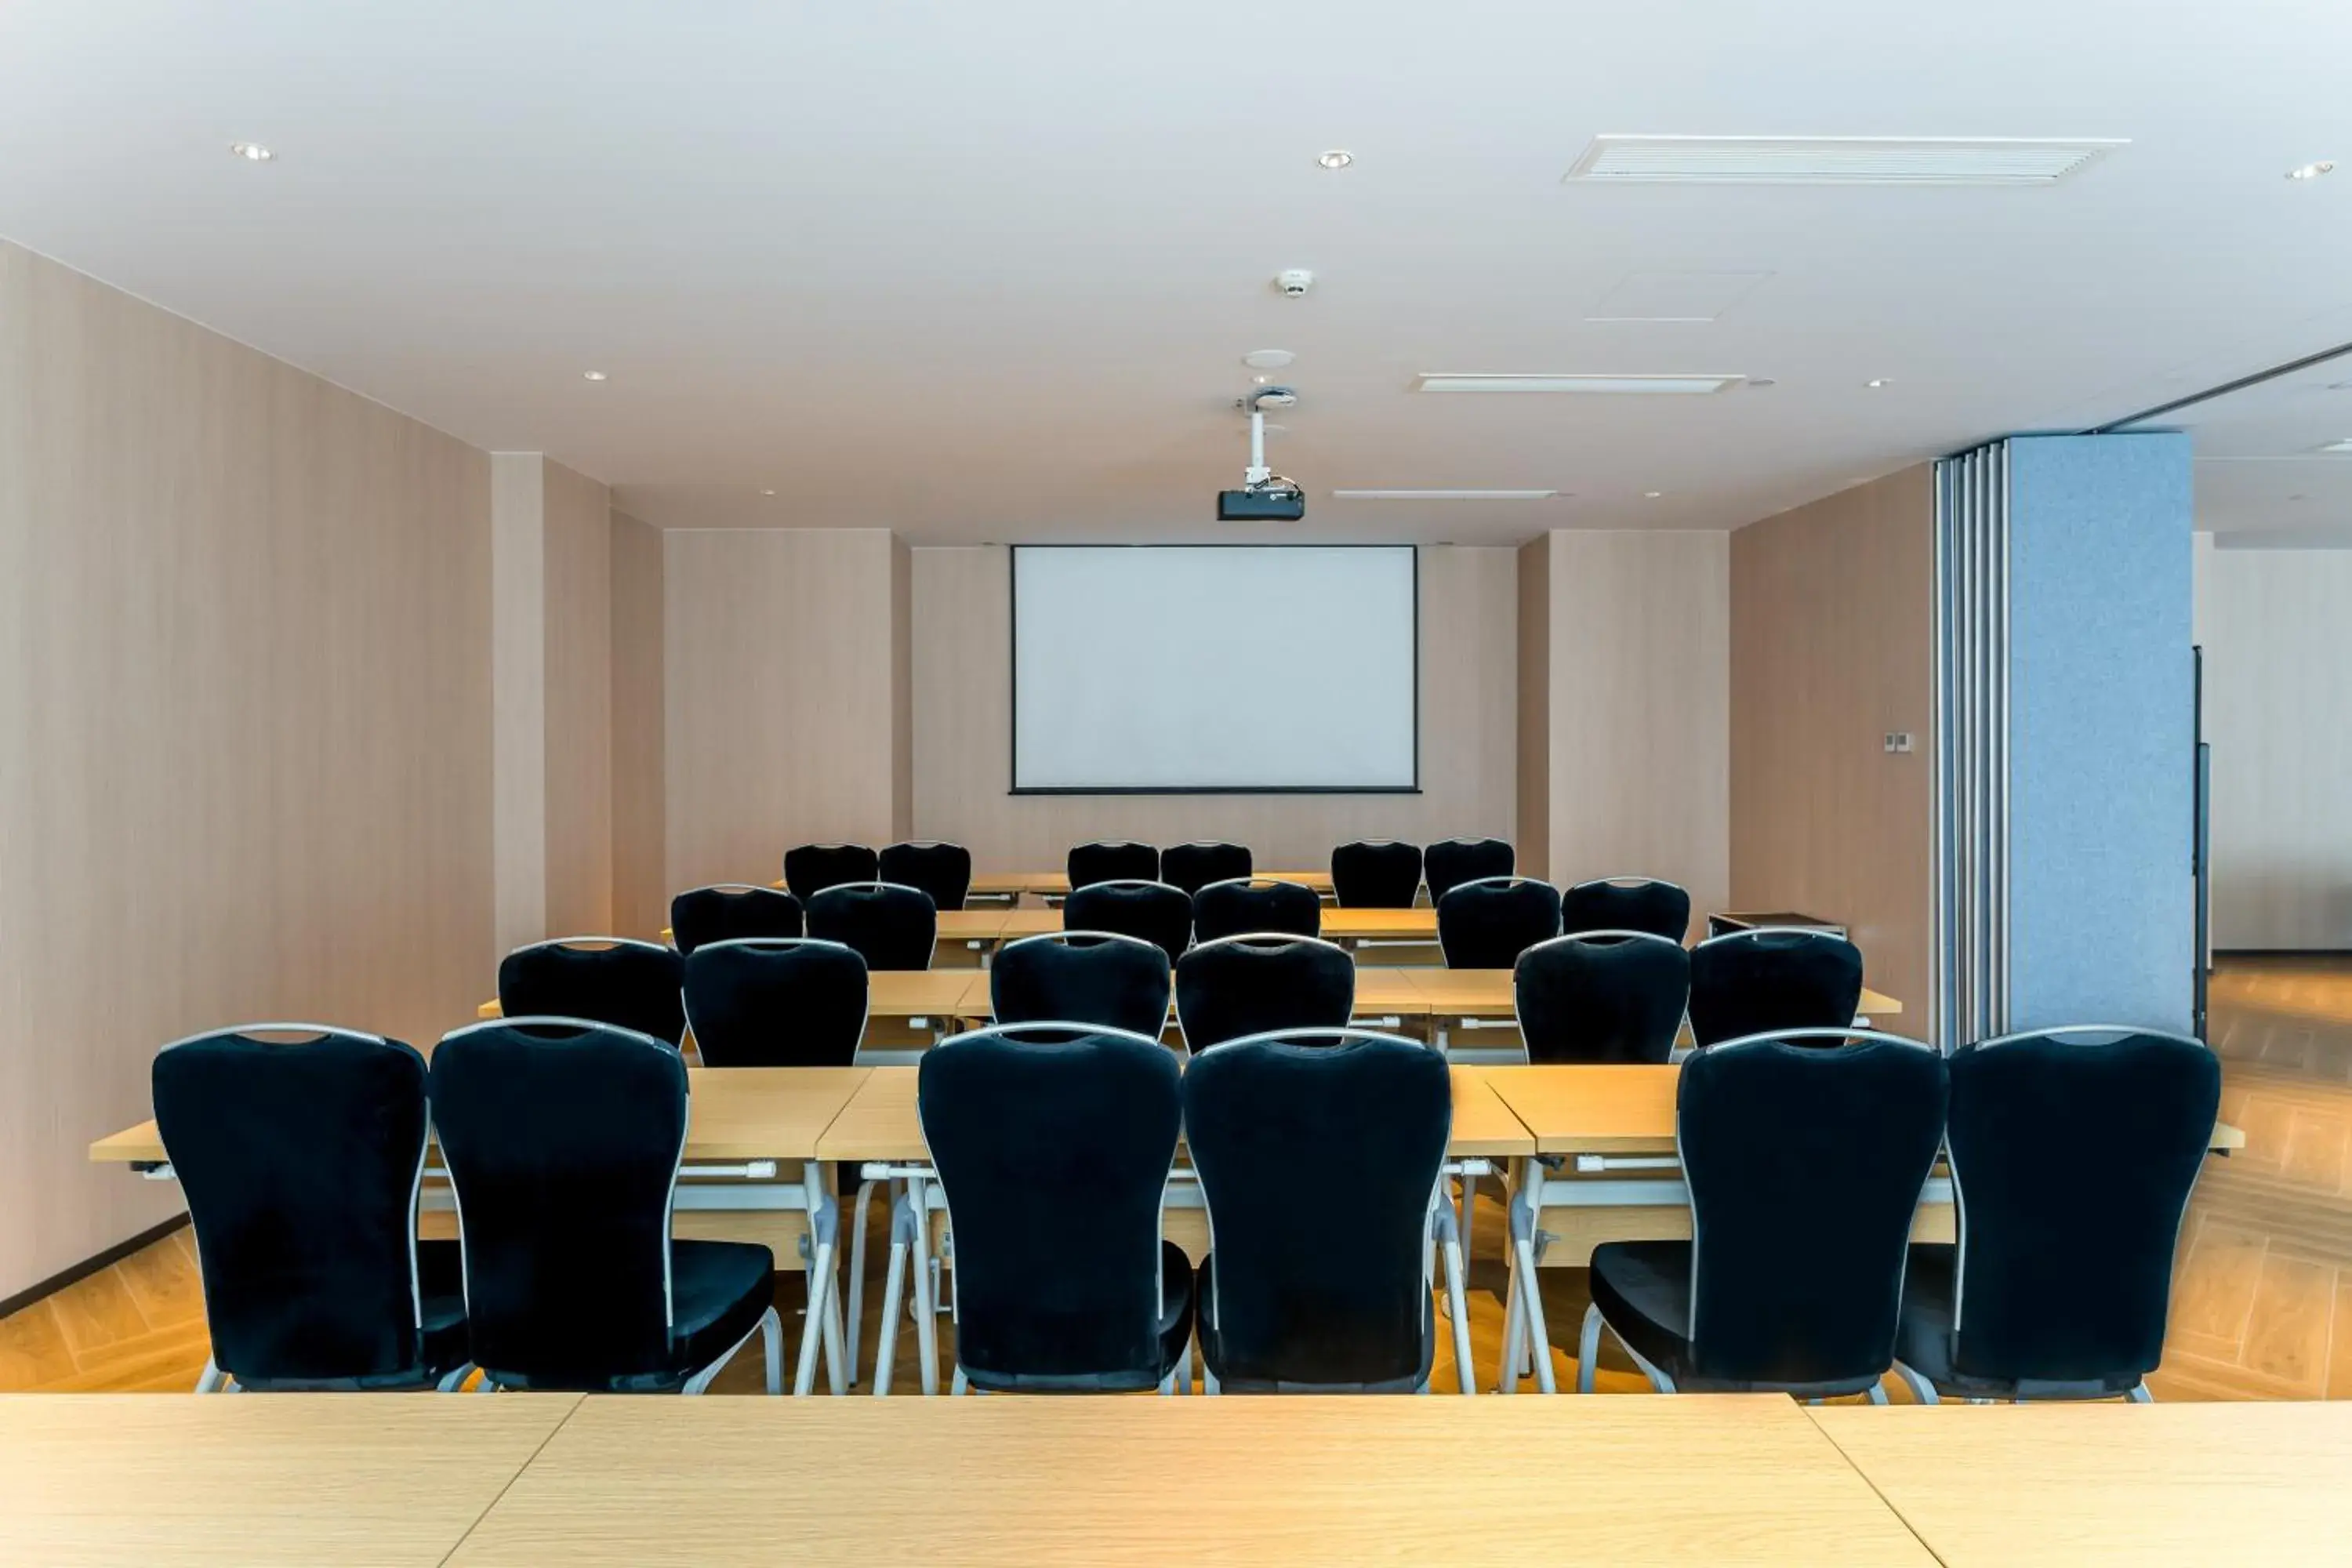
(1260, 479)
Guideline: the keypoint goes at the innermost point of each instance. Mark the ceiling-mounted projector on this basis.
(1264, 496)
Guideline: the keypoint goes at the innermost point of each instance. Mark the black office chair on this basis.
(1053, 1154)
(1155, 911)
(613, 980)
(759, 1002)
(1772, 979)
(1246, 904)
(1240, 986)
(1626, 903)
(891, 927)
(1376, 874)
(2072, 1152)
(1194, 866)
(1323, 1297)
(941, 870)
(300, 1162)
(1805, 1152)
(1100, 979)
(810, 868)
(1451, 862)
(728, 911)
(1601, 996)
(1112, 860)
(563, 1142)
(1488, 922)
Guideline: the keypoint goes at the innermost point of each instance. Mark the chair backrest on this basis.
(941, 870)
(1319, 1293)
(1451, 862)
(1487, 922)
(1054, 1154)
(732, 910)
(763, 1002)
(1112, 860)
(1805, 1152)
(1194, 866)
(2072, 1152)
(892, 927)
(1155, 911)
(1246, 904)
(300, 1163)
(1626, 903)
(1772, 979)
(810, 868)
(1255, 984)
(613, 980)
(1601, 996)
(1376, 874)
(563, 1140)
(1104, 979)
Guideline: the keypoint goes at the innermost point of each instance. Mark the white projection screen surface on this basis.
(1166, 670)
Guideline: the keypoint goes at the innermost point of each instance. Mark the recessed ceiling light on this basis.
(1444, 495)
(1651, 495)
(1268, 359)
(1634, 385)
(251, 152)
(594, 375)
(767, 492)
(1837, 159)
(1336, 159)
(2312, 171)
(1877, 382)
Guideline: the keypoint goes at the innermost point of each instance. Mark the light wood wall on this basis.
(518, 695)
(1534, 705)
(579, 705)
(1831, 647)
(2278, 712)
(245, 692)
(1637, 736)
(962, 729)
(778, 675)
(641, 888)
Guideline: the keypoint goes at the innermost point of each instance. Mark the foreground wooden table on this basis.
(2055, 1486)
(387, 1480)
(1152, 1481)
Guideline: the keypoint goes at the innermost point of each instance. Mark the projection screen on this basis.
(1172, 669)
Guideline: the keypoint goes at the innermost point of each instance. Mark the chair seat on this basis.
(1924, 1338)
(1324, 1354)
(1175, 1330)
(1642, 1288)
(719, 1289)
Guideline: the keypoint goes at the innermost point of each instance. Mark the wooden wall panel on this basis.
(641, 888)
(1535, 704)
(245, 692)
(1639, 709)
(902, 690)
(519, 694)
(2278, 711)
(777, 671)
(579, 703)
(1831, 647)
(963, 655)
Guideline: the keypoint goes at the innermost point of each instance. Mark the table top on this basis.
(2016, 1485)
(897, 994)
(1057, 883)
(1712, 1480)
(1488, 993)
(383, 1480)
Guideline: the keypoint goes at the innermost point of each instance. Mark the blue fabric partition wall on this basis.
(2065, 734)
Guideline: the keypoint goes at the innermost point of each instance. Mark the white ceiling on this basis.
(986, 271)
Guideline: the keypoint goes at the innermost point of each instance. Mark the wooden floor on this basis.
(2261, 1300)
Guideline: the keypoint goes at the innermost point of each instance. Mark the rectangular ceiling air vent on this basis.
(1839, 160)
(1610, 385)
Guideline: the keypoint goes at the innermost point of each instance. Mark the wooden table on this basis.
(387, 1480)
(1056, 884)
(928, 1001)
(2062, 1485)
(1488, 993)
(1719, 1481)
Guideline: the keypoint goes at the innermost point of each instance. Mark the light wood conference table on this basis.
(1056, 884)
(1113, 1483)
(2055, 1486)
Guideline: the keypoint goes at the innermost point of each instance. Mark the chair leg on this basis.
(1532, 1298)
(209, 1381)
(838, 1365)
(1514, 1329)
(959, 1383)
(1469, 1209)
(1876, 1394)
(453, 1383)
(770, 1326)
(1922, 1391)
(927, 1324)
(885, 1354)
(1207, 1377)
(858, 1269)
(1587, 1348)
(771, 1340)
(2140, 1395)
(820, 1277)
(1465, 1370)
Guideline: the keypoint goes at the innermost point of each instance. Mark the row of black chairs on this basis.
(1369, 873)
(1593, 997)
